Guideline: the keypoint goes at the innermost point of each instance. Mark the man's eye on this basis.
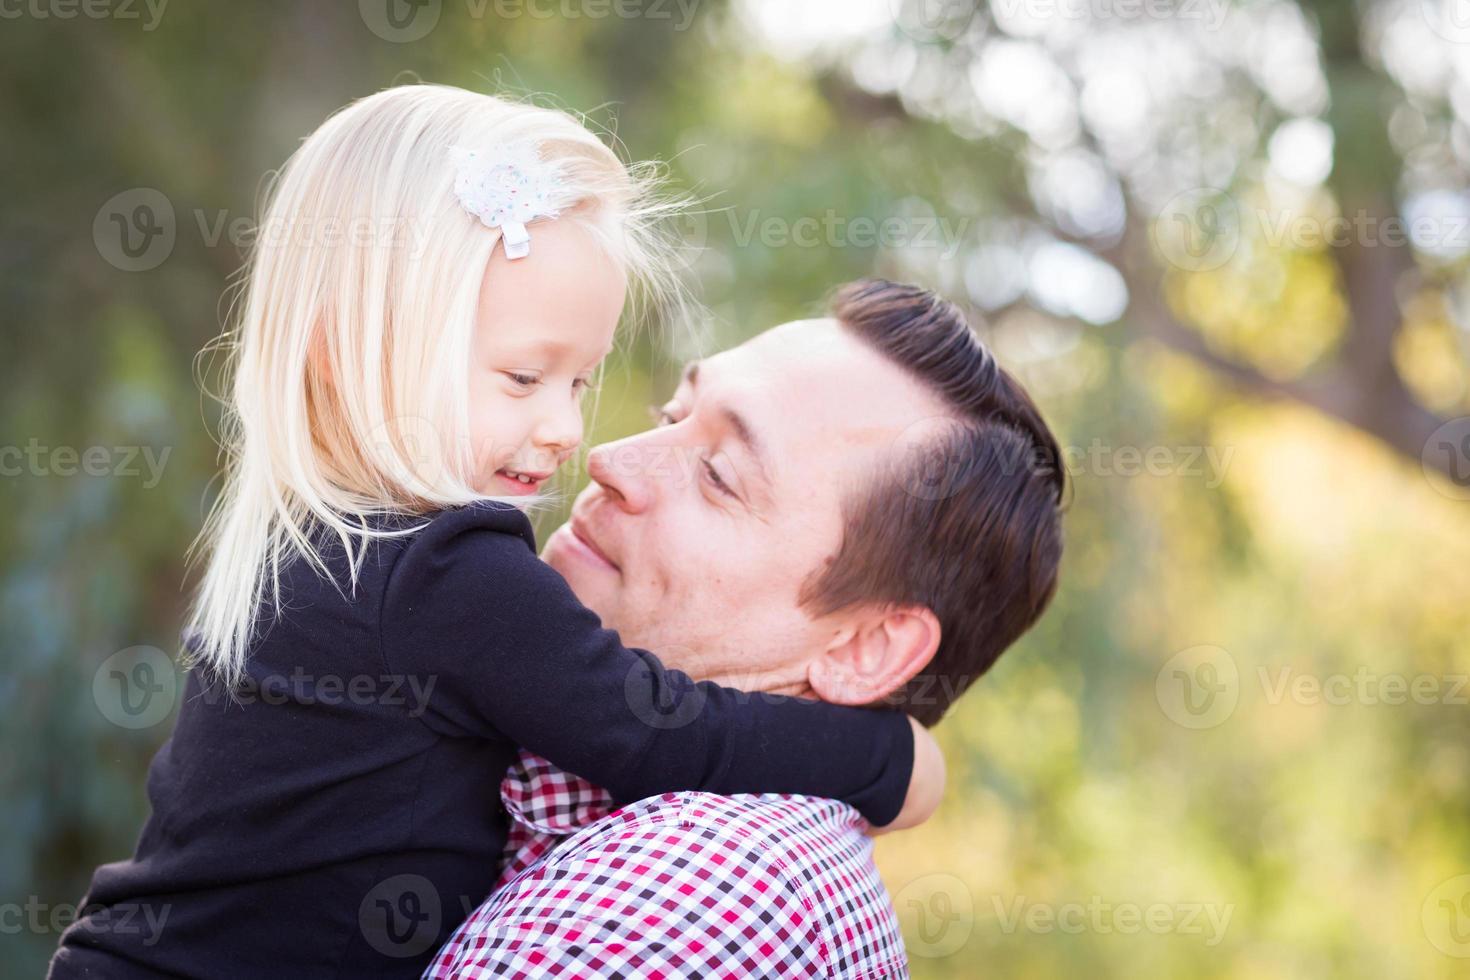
(662, 415)
(714, 478)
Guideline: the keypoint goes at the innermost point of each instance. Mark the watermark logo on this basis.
(933, 21)
(135, 229)
(1198, 687)
(1198, 230)
(689, 231)
(937, 914)
(400, 21)
(400, 917)
(928, 459)
(1450, 19)
(1446, 458)
(412, 441)
(136, 687)
(1446, 917)
(655, 705)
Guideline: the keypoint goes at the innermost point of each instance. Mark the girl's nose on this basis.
(561, 431)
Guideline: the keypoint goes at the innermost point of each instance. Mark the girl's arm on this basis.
(511, 653)
(926, 787)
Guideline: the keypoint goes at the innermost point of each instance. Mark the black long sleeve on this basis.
(365, 750)
(516, 655)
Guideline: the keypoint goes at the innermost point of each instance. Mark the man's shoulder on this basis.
(804, 859)
(698, 883)
(803, 849)
(779, 826)
(763, 813)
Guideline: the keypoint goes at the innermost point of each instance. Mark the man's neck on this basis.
(788, 679)
(763, 685)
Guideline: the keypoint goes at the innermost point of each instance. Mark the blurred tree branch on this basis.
(1361, 385)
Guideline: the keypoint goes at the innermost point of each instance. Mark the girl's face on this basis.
(545, 323)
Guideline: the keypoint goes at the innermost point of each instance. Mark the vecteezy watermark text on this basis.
(1211, 12)
(1201, 686)
(87, 9)
(1101, 917)
(138, 687)
(136, 230)
(36, 458)
(408, 691)
(1363, 686)
(831, 229)
(1102, 460)
(1201, 229)
(123, 918)
(405, 21)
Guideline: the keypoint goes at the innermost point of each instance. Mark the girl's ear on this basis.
(875, 654)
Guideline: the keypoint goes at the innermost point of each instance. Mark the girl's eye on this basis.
(583, 384)
(524, 380)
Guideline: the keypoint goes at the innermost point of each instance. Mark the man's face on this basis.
(695, 538)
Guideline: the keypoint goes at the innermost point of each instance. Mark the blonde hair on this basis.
(349, 396)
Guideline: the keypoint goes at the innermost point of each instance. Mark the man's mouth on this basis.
(580, 536)
(517, 482)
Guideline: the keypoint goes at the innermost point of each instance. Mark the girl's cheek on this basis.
(484, 437)
(505, 426)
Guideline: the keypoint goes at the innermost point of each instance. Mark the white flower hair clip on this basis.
(507, 189)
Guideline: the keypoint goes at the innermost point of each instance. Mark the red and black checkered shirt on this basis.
(679, 885)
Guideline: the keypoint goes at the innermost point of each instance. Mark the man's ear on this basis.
(875, 653)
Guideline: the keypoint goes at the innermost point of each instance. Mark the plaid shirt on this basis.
(684, 884)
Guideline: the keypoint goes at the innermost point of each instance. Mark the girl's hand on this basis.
(926, 785)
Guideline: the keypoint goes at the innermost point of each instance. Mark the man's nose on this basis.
(622, 469)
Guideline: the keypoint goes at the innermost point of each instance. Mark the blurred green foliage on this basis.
(1096, 824)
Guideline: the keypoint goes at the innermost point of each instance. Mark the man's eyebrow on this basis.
(754, 446)
(746, 435)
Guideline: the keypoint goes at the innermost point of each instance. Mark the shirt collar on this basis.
(550, 801)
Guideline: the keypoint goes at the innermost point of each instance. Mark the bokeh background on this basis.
(1225, 244)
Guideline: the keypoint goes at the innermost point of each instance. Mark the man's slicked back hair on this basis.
(966, 517)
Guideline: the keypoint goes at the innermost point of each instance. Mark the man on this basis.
(861, 509)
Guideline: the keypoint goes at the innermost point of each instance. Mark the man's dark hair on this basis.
(966, 520)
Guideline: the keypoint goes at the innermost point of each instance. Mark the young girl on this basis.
(438, 276)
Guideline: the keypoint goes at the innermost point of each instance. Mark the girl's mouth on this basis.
(519, 482)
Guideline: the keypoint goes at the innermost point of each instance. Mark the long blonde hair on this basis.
(349, 395)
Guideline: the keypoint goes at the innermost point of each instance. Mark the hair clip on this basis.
(507, 189)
